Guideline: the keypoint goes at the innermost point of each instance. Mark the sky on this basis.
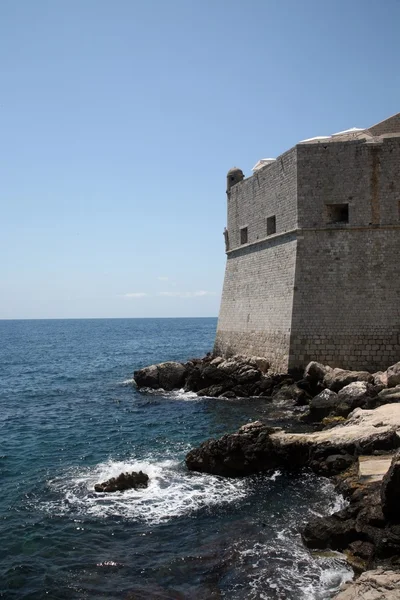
(119, 121)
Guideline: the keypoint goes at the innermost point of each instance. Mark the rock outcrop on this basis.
(372, 585)
(239, 376)
(124, 481)
(257, 447)
(167, 375)
(328, 392)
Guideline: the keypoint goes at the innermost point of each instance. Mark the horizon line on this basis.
(95, 318)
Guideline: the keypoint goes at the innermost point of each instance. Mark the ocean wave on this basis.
(172, 492)
(126, 382)
(174, 394)
(296, 573)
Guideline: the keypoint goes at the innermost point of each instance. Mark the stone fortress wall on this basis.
(311, 285)
(256, 308)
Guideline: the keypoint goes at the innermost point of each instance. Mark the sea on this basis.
(71, 416)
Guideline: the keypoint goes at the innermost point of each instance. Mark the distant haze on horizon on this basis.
(120, 120)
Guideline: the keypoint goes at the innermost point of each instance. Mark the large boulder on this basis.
(336, 379)
(124, 481)
(290, 392)
(323, 405)
(372, 585)
(329, 532)
(315, 372)
(354, 395)
(393, 375)
(380, 378)
(388, 395)
(243, 453)
(390, 491)
(167, 375)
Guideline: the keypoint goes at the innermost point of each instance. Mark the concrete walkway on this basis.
(373, 468)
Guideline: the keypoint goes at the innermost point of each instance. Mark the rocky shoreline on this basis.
(357, 417)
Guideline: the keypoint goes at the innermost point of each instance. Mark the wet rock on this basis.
(290, 392)
(372, 585)
(362, 549)
(336, 379)
(124, 481)
(393, 375)
(390, 491)
(323, 405)
(329, 532)
(243, 453)
(168, 376)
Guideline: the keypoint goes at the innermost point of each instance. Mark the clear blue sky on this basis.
(119, 120)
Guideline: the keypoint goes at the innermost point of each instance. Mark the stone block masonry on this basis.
(323, 283)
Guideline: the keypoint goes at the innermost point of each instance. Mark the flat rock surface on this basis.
(373, 585)
(361, 427)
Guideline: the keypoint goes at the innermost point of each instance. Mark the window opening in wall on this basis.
(271, 225)
(243, 235)
(337, 213)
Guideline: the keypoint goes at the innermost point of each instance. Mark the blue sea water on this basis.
(71, 417)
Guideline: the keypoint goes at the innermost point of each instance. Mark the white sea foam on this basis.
(172, 492)
(128, 382)
(296, 574)
(174, 394)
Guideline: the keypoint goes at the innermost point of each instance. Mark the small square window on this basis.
(271, 225)
(337, 213)
(243, 235)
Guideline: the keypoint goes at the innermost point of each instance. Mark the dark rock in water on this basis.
(239, 376)
(243, 453)
(390, 491)
(290, 392)
(323, 405)
(124, 481)
(168, 376)
(329, 532)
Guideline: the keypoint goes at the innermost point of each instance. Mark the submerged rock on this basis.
(124, 481)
